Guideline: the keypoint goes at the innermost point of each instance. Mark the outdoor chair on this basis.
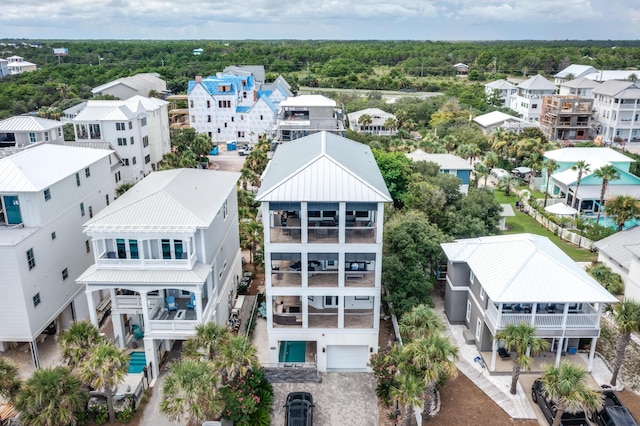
(137, 332)
(191, 304)
(171, 303)
(504, 354)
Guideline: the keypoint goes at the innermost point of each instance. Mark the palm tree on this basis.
(567, 387)
(480, 171)
(251, 236)
(207, 341)
(246, 176)
(104, 368)
(435, 357)
(390, 123)
(607, 174)
(551, 166)
(9, 379)
(627, 318)
(190, 392)
(582, 167)
(409, 392)
(51, 397)
(236, 356)
(522, 339)
(506, 183)
(622, 208)
(490, 160)
(364, 120)
(77, 341)
(420, 321)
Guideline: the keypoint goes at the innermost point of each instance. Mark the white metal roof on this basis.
(619, 89)
(537, 82)
(27, 123)
(576, 70)
(495, 117)
(323, 167)
(607, 75)
(135, 103)
(446, 161)
(105, 113)
(139, 81)
(569, 176)
(620, 247)
(41, 166)
(179, 200)
(378, 116)
(195, 276)
(575, 154)
(19, 64)
(308, 101)
(526, 268)
(500, 85)
(580, 83)
(592, 192)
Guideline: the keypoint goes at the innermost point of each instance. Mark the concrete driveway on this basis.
(339, 399)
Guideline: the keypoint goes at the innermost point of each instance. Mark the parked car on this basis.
(499, 174)
(299, 409)
(548, 408)
(245, 150)
(613, 412)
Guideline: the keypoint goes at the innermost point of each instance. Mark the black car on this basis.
(548, 408)
(613, 412)
(298, 409)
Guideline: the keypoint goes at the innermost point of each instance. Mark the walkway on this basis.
(151, 415)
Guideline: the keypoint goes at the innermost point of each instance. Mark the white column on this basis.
(152, 358)
(342, 267)
(304, 225)
(342, 220)
(270, 301)
(305, 311)
(592, 352)
(199, 305)
(534, 311)
(119, 333)
(266, 224)
(559, 350)
(92, 307)
(494, 350)
(304, 269)
(379, 223)
(377, 301)
(340, 311)
(145, 312)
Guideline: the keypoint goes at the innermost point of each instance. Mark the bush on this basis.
(247, 399)
(125, 415)
(384, 373)
(605, 276)
(596, 232)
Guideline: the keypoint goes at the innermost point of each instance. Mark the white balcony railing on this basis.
(106, 262)
(587, 318)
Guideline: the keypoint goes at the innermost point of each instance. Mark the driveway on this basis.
(339, 399)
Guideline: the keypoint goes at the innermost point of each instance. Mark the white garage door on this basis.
(351, 358)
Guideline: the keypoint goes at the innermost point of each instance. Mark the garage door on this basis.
(350, 358)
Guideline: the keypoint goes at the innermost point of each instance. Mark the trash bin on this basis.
(214, 151)
(231, 146)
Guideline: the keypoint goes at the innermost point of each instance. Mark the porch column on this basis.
(305, 311)
(342, 268)
(119, 333)
(92, 308)
(342, 221)
(152, 358)
(270, 301)
(592, 352)
(534, 310)
(494, 350)
(559, 351)
(35, 357)
(304, 269)
(304, 225)
(340, 311)
(198, 298)
(376, 312)
(145, 311)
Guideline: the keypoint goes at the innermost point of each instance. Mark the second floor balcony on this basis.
(145, 254)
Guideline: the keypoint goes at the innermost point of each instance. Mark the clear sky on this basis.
(321, 19)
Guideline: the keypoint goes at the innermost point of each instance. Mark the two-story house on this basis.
(17, 65)
(379, 123)
(167, 255)
(617, 105)
(304, 115)
(566, 118)
(499, 90)
(323, 202)
(564, 181)
(24, 130)
(125, 129)
(509, 279)
(230, 107)
(621, 253)
(527, 101)
(582, 87)
(46, 193)
(140, 84)
(574, 72)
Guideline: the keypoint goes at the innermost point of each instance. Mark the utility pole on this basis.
(495, 61)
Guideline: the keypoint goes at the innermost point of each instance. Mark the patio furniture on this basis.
(137, 332)
(504, 354)
(191, 304)
(551, 309)
(181, 314)
(171, 303)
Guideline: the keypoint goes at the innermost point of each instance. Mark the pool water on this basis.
(292, 351)
(137, 362)
(609, 223)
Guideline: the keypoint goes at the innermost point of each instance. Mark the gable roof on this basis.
(323, 167)
(619, 89)
(139, 82)
(500, 85)
(570, 176)
(526, 268)
(101, 112)
(621, 246)
(577, 71)
(308, 101)
(134, 103)
(495, 117)
(575, 154)
(446, 161)
(537, 82)
(607, 75)
(580, 83)
(378, 116)
(39, 167)
(27, 123)
(178, 199)
(212, 84)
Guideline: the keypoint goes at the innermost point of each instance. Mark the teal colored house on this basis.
(449, 164)
(564, 181)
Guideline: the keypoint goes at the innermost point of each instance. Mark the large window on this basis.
(166, 249)
(133, 249)
(32, 137)
(94, 131)
(120, 126)
(31, 260)
(47, 194)
(121, 248)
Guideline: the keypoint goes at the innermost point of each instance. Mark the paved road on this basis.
(390, 95)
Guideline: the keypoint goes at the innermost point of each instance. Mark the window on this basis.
(36, 300)
(468, 314)
(481, 293)
(193, 118)
(65, 273)
(59, 131)
(46, 136)
(145, 141)
(190, 104)
(87, 245)
(94, 131)
(133, 160)
(133, 249)
(241, 134)
(47, 194)
(122, 141)
(82, 209)
(107, 198)
(208, 119)
(31, 260)
(143, 121)
(478, 329)
(218, 129)
(225, 211)
(120, 126)
(232, 119)
(118, 177)
(471, 277)
(166, 249)
(147, 159)
(53, 235)
(534, 106)
(78, 179)
(208, 104)
(87, 172)
(126, 161)
(261, 118)
(32, 137)
(130, 125)
(90, 212)
(225, 125)
(132, 140)
(121, 248)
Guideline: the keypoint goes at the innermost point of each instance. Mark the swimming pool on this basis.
(609, 223)
(137, 362)
(292, 351)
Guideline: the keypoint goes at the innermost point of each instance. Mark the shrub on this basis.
(125, 415)
(247, 399)
(385, 377)
(605, 276)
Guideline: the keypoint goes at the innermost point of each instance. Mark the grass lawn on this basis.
(523, 223)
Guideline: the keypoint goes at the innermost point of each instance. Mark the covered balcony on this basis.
(286, 270)
(285, 225)
(287, 312)
(146, 254)
(359, 270)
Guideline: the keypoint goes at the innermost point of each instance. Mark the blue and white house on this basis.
(449, 164)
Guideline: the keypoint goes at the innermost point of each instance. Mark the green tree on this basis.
(475, 215)
(190, 392)
(236, 357)
(409, 391)
(420, 321)
(581, 167)
(51, 397)
(522, 339)
(622, 208)
(551, 166)
(251, 237)
(567, 386)
(105, 368)
(607, 174)
(480, 171)
(9, 379)
(626, 315)
(77, 341)
(506, 184)
(396, 172)
(605, 276)
(426, 197)
(206, 343)
(364, 120)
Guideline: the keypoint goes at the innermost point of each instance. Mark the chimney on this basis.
(198, 79)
